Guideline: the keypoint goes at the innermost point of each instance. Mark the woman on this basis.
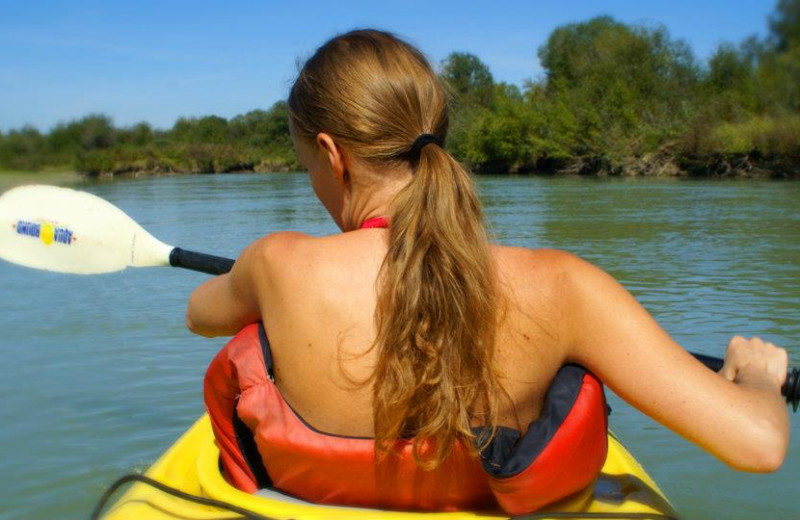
(407, 345)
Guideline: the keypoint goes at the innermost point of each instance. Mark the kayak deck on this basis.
(192, 466)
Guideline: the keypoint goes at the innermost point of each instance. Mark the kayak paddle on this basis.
(69, 231)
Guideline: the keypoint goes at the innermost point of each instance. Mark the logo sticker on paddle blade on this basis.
(48, 232)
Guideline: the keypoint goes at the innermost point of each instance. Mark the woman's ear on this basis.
(335, 155)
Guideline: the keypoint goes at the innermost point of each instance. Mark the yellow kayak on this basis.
(623, 490)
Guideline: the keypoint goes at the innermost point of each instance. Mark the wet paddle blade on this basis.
(69, 231)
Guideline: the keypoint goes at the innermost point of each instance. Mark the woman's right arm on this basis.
(737, 415)
(223, 305)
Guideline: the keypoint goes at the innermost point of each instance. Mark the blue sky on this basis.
(156, 61)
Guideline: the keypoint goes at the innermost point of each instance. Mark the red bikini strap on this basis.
(375, 222)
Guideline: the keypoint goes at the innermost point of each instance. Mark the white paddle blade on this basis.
(69, 231)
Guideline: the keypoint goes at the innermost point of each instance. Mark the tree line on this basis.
(256, 141)
(613, 98)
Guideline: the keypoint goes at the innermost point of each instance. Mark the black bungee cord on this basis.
(135, 477)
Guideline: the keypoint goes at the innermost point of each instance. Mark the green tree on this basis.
(779, 70)
(208, 129)
(555, 128)
(264, 129)
(468, 78)
(96, 132)
(64, 138)
(139, 135)
(498, 138)
(784, 25)
(472, 87)
(627, 86)
(731, 83)
(23, 149)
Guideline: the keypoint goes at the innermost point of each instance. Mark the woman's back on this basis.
(313, 421)
(319, 307)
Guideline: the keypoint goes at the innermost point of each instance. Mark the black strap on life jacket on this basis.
(268, 364)
(244, 436)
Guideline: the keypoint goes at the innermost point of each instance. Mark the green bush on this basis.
(95, 162)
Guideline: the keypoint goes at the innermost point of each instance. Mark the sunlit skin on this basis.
(316, 297)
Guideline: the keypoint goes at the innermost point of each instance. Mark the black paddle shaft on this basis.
(201, 262)
(790, 390)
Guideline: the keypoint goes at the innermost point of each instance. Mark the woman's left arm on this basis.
(741, 418)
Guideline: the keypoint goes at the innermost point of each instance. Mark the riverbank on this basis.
(665, 164)
(57, 176)
(662, 164)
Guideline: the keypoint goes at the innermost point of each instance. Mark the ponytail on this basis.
(436, 312)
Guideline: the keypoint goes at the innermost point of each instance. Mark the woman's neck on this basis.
(370, 195)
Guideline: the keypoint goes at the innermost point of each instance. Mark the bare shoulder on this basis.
(573, 288)
(278, 245)
(554, 287)
(276, 249)
(545, 268)
(286, 244)
(290, 261)
(542, 258)
(538, 286)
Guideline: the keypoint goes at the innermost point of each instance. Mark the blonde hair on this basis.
(436, 312)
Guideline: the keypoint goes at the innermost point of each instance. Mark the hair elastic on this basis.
(421, 141)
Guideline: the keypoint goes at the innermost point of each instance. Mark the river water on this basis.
(99, 376)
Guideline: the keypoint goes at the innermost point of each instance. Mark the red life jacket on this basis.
(264, 443)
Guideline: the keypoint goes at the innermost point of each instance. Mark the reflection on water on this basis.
(99, 375)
